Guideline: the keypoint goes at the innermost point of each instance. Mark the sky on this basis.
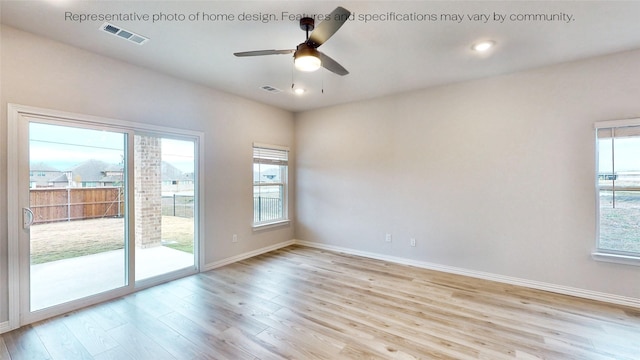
(63, 147)
(627, 154)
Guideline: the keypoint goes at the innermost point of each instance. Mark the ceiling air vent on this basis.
(122, 33)
(270, 89)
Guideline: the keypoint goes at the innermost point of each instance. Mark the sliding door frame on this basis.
(16, 255)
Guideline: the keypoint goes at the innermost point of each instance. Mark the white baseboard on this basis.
(565, 290)
(4, 327)
(240, 257)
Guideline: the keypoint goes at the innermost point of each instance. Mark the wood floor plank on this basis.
(138, 344)
(214, 308)
(198, 313)
(24, 343)
(287, 321)
(4, 353)
(105, 315)
(306, 332)
(116, 353)
(179, 288)
(224, 315)
(250, 344)
(307, 303)
(89, 332)
(142, 300)
(294, 346)
(60, 341)
(169, 339)
(209, 340)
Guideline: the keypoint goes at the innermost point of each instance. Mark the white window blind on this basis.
(271, 156)
(618, 132)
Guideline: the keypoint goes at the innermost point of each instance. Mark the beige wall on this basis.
(42, 73)
(493, 176)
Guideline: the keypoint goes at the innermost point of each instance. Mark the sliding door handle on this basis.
(27, 218)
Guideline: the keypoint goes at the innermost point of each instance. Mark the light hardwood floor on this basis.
(305, 303)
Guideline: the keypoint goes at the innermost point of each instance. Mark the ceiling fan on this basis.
(306, 57)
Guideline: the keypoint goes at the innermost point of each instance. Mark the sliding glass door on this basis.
(100, 209)
(164, 171)
(77, 213)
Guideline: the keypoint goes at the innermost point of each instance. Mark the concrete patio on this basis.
(60, 281)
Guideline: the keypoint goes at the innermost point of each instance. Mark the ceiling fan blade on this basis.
(328, 27)
(263, 52)
(332, 65)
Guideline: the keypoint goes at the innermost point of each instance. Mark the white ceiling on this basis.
(383, 57)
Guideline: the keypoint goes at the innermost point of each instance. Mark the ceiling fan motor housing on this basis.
(307, 24)
(305, 50)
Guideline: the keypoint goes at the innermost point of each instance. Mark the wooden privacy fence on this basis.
(65, 204)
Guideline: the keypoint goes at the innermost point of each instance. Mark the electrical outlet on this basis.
(412, 241)
(235, 238)
(387, 238)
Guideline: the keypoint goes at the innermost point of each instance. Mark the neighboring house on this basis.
(96, 173)
(42, 175)
(174, 180)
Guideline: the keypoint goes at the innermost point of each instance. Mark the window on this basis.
(270, 163)
(618, 184)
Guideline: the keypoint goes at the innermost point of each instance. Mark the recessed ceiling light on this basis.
(483, 46)
(299, 91)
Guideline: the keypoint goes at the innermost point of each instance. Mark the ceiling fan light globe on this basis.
(307, 63)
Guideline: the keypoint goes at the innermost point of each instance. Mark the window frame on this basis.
(284, 184)
(599, 253)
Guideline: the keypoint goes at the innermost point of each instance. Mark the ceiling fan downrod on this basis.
(307, 24)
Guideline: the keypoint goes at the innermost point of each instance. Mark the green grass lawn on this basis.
(620, 226)
(64, 240)
(620, 229)
(177, 233)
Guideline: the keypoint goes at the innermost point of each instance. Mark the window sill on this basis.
(266, 226)
(616, 258)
